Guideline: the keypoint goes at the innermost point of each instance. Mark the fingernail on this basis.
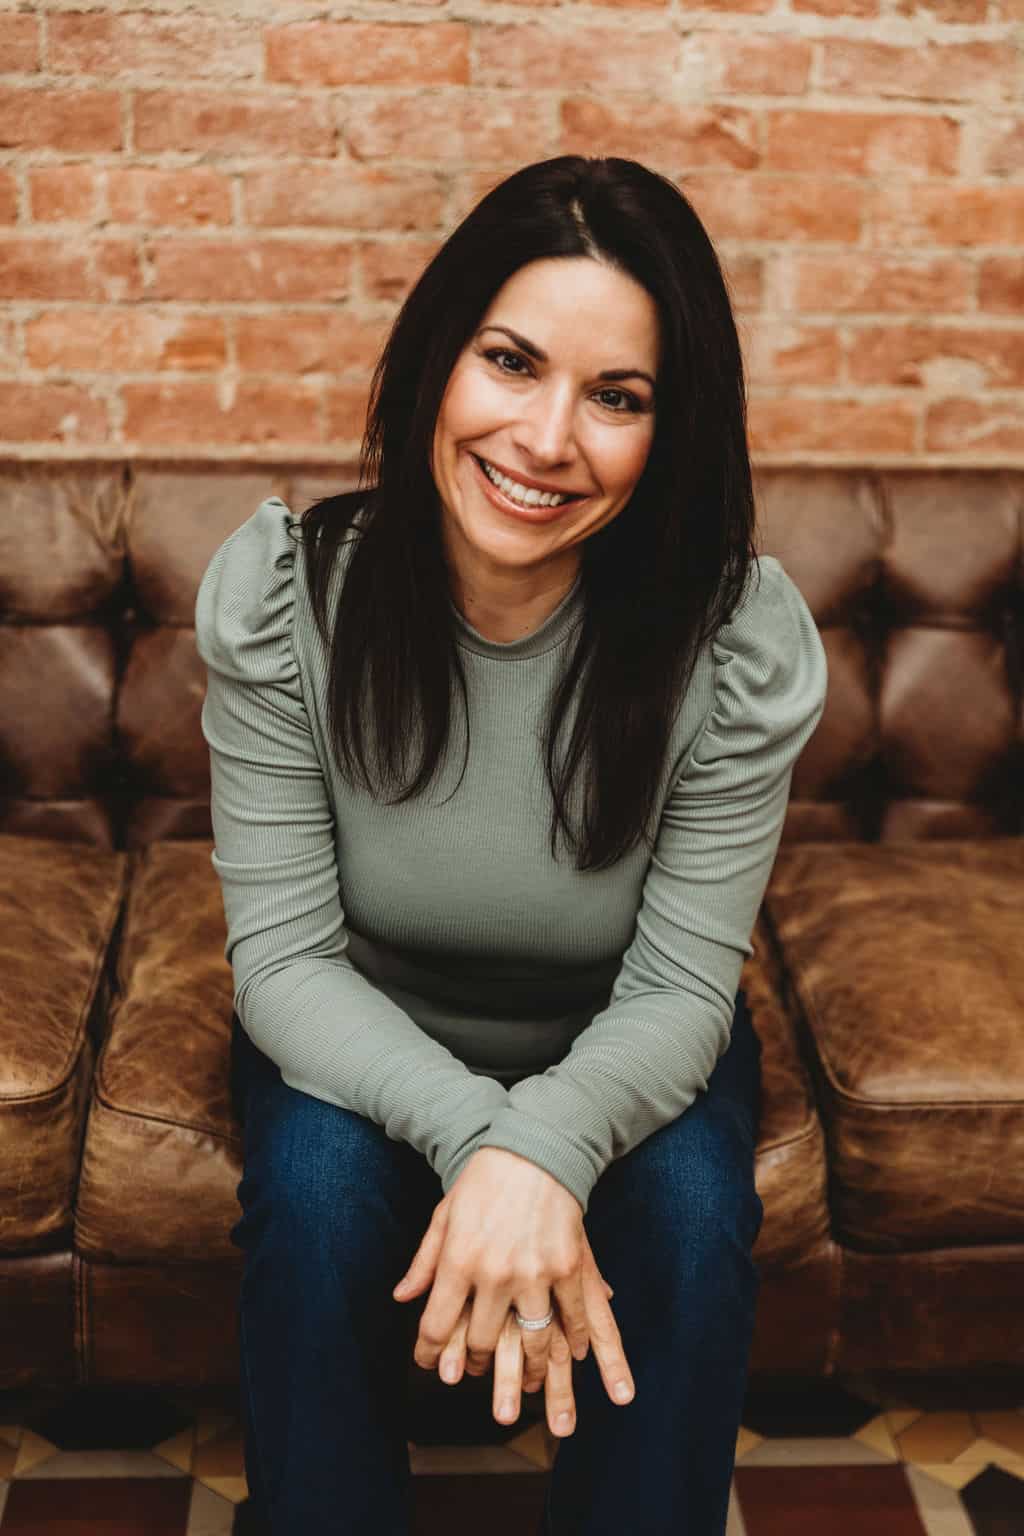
(401, 1285)
(449, 1370)
(623, 1392)
(564, 1422)
(508, 1408)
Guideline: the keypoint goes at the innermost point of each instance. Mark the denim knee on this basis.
(317, 1178)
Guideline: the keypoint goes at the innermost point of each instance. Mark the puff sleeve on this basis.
(641, 1061)
(332, 1033)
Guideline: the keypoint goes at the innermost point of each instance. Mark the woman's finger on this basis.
(422, 1269)
(508, 1373)
(559, 1400)
(607, 1341)
(447, 1298)
(572, 1312)
(453, 1357)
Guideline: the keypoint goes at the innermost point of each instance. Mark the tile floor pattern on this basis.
(893, 1456)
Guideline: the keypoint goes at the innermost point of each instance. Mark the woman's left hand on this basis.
(507, 1234)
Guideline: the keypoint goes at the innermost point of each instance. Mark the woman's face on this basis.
(550, 420)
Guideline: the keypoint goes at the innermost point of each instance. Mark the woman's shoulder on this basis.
(771, 672)
(245, 602)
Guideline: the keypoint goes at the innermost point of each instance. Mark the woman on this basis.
(519, 1074)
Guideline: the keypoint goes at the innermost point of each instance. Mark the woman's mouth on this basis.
(536, 513)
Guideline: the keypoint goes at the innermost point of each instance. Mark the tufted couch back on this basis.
(916, 581)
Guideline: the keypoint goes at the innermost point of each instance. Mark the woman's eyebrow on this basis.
(532, 350)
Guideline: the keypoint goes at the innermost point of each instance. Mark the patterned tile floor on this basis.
(893, 1456)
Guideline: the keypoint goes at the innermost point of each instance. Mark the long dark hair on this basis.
(657, 581)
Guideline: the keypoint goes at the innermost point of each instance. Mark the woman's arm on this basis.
(642, 1060)
(332, 1033)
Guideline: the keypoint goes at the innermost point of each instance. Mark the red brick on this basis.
(346, 412)
(388, 268)
(48, 413)
(957, 12)
(8, 198)
(440, 126)
(244, 271)
(749, 7)
(777, 207)
(31, 118)
(861, 143)
(63, 192)
(819, 423)
(689, 137)
(308, 341)
(345, 196)
(922, 214)
(137, 43)
(874, 284)
(976, 429)
(607, 58)
(129, 340)
(975, 72)
(8, 359)
(233, 123)
(1003, 153)
(744, 276)
(118, 270)
(1001, 285)
(368, 53)
(34, 268)
(636, 5)
(937, 356)
(764, 64)
(19, 44)
(838, 8)
(191, 411)
(144, 194)
(791, 354)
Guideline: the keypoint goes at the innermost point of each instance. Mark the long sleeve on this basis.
(332, 1033)
(642, 1060)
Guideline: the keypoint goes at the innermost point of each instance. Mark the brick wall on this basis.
(209, 212)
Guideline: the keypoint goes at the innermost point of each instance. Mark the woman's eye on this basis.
(628, 402)
(497, 352)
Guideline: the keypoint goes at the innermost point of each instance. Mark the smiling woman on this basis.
(465, 1051)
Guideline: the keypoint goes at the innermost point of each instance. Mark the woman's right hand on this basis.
(510, 1360)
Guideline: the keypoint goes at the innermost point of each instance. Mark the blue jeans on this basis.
(333, 1211)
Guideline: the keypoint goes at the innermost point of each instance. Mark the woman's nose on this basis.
(545, 428)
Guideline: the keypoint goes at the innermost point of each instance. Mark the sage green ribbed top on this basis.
(430, 965)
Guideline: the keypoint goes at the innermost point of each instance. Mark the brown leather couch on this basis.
(887, 983)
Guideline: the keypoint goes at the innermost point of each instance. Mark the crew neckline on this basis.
(555, 628)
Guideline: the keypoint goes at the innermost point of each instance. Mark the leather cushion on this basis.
(906, 970)
(60, 902)
(162, 1156)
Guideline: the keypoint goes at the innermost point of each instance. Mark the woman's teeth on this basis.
(526, 496)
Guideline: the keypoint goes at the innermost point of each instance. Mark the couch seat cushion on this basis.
(906, 968)
(790, 1155)
(60, 902)
(163, 1155)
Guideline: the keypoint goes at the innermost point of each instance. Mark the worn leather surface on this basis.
(161, 1104)
(790, 1159)
(59, 903)
(906, 965)
(885, 984)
